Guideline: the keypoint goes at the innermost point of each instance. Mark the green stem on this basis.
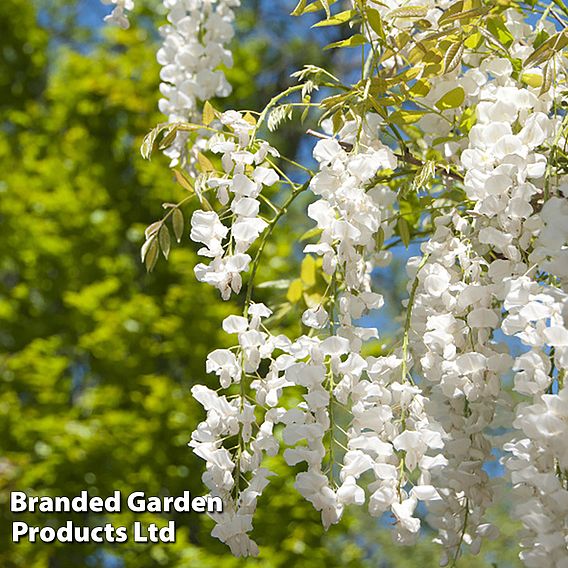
(464, 528)
(405, 341)
(264, 240)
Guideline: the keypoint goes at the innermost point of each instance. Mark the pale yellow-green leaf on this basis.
(275, 284)
(294, 294)
(205, 163)
(312, 300)
(183, 180)
(473, 41)
(547, 49)
(177, 224)
(337, 19)
(532, 79)
(467, 120)
(420, 89)
(168, 139)
(150, 139)
(304, 8)
(310, 233)
(548, 75)
(248, 117)
(464, 17)
(308, 271)
(498, 29)
(409, 12)
(152, 229)
(337, 121)
(452, 99)
(353, 41)
(164, 239)
(151, 255)
(299, 9)
(379, 239)
(375, 21)
(404, 231)
(208, 113)
(147, 243)
(402, 117)
(453, 56)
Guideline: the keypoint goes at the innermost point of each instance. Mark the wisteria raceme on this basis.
(246, 172)
(194, 47)
(476, 169)
(119, 14)
(538, 452)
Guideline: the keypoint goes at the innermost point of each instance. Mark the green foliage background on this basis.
(96, 357)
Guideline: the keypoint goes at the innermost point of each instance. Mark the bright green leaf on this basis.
(294, 294)
(353, 41)
(452, 99)
(337, 19)
(308, 272)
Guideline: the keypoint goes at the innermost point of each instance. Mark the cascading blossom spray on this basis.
(194, 47)
(454, 136)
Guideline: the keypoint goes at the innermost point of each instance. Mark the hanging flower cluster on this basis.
(246, 170)
(454, 136)
(194, 47)
(119, 15)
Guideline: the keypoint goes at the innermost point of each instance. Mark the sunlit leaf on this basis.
(452, 99)
(294, 294)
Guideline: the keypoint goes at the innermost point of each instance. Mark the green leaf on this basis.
(353, 41)
(376, 22)
(304, 8)
(548, 77)
(308, 271)
(337, 121)
(474, 40)
(379, 239)
(168, 139)
(547, 49)
(420, 89)
(205, 163)
(310, 234)
(467, 120)
(404, 231)
(499, 31)
(455, 8)
(208, 113)
(532, 79)
(336, 20)
(149, 141)
(453, 56)
(294, 294)
(177, 224)
(276, 284)
(150, 253)
(452, 99)
(540, 38)
(402, 117)
(313, 300)
(299, 9)
(248, 117)
(465, 15)
(164, 240)
(409, 12)
(424, 175)
(183, 180)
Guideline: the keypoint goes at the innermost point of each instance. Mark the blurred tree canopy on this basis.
(96, 357)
